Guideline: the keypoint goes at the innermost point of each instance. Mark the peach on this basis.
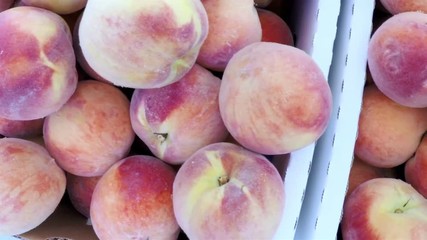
(80, 190)
(133, 200)
(21, 129)
(361, 172)
(399, 6)
(388, 133)
(397, 61)
(142, 44)
(416, 168)
(31, 185)
(385, 208)
(232, 26)
(38, 75)
(91, 131)
(274, 98)
(262, 3)
(59, 7)
(176, 120)
(274, 28)
(224, 191)
(6, 4)
(82, 63)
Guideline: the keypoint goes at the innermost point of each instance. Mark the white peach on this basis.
(224, 191)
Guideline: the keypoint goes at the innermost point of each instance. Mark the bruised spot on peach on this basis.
(13, 150)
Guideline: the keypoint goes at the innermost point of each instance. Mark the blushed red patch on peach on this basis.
(13, 150)
(134, 186)
(356, 210)
(22, 80)
(161, 102)
(161, 24)
(304, 119)
(53, 49)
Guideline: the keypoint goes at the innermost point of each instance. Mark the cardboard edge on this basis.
(64, 223)
(327, 186)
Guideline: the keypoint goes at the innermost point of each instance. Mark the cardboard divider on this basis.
(315, 26)
(327, 185)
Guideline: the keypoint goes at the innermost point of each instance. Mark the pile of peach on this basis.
(155, 117)
(387, 194)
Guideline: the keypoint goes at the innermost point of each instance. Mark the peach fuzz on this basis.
(176, 120)
(274, 99)
(415, 171)
(398, 6)
(80, 190)
(39, 75)
(142, 44)
(91, 131)
(385, 208)
(31, 185)
(388, 133)
(21, 129)
(274, 28)
(224, 191)
(397, 61)
(232, 26)
(133, 200)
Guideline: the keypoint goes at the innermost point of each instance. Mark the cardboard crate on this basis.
(333, 156)
(315, 25)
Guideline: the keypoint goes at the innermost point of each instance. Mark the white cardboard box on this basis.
(322, 207)
(315, 25)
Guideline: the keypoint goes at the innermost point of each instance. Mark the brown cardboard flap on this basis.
(64, 223)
